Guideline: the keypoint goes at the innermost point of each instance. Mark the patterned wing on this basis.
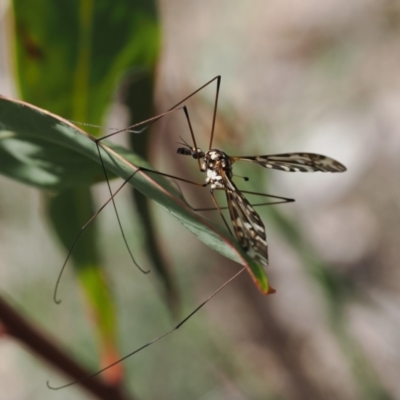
(296, 162)
(247, 224)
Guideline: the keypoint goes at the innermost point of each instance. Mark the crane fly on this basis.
(248, 226)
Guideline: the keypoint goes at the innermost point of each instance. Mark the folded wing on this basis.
(247, 224)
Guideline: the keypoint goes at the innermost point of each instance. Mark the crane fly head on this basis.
(190, 151)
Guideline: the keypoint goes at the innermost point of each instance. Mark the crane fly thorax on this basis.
(214, 164)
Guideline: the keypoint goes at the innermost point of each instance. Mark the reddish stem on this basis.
(15, 325)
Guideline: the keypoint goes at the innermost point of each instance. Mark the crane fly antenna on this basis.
(184, 142)
(155, 339)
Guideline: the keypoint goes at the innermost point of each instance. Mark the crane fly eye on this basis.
(196, 155)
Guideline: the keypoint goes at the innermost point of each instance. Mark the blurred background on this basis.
(305, 76)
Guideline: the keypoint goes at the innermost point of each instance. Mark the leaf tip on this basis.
(270, 290)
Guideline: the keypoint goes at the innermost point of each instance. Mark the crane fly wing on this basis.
(247, 224)
(296, 162)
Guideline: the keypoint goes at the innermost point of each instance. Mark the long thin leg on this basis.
(288, 200)
(156, 339)
(92, 218)
(150, 121)
(98, 145)
(215, 111)
(146, 124)
(111, 199)
(220, 212)
(98, 141)
(116, 211)
(282, 200)
(173, 177)
(226, 208)
(218, 78)
(192, 133)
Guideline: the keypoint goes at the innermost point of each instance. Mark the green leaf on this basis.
(26, 122)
